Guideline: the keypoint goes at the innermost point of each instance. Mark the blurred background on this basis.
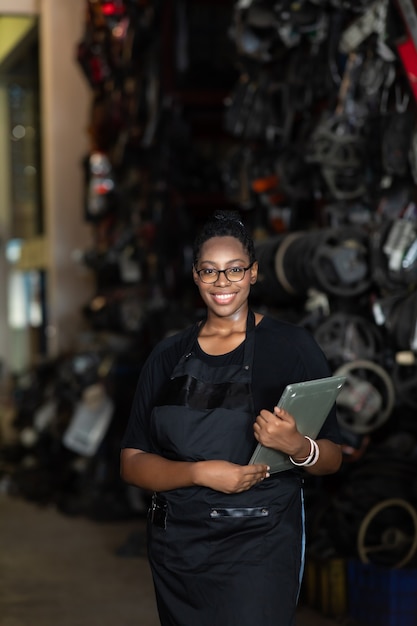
(124, 124)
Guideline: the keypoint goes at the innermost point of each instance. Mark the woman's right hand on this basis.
(155, 473)
(228, 477)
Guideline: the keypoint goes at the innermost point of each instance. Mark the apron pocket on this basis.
(240, 512)
(238, 534)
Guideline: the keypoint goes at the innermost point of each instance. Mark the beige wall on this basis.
(65, 115)
(65, 102)
(20, 7)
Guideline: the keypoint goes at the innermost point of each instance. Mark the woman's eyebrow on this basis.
(215, 262)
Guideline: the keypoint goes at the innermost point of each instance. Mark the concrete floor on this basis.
(57, 570)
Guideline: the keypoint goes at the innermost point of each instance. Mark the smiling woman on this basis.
(229, 288)
(225, 539)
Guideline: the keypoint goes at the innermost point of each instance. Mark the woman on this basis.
(225, 539)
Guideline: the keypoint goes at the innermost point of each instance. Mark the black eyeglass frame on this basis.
(218, 272)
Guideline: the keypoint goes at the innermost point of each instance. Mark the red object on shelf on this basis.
(408, 55)
(113, 8)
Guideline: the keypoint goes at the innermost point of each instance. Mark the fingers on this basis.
(264, 416)
(233, 478)
(282, 414)
(276, 430)
(260, 468)
(253, 474)
(258, 471)
(263, 421)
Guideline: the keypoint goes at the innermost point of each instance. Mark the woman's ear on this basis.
(254, 273)
(195, 276)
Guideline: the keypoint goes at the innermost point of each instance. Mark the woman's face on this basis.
(223, 297)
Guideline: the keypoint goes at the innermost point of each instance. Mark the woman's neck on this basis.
(223, 327)
(222, 335)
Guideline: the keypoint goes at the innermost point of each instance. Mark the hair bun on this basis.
(229, 216)
(224, 223)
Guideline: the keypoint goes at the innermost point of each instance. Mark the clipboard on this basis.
(309, 402)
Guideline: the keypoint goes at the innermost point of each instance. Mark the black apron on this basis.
(221, 559)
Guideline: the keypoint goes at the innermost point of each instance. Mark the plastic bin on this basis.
(382, 597)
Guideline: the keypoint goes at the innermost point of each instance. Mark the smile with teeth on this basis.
(224, 298)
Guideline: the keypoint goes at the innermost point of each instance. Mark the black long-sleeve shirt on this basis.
(284, 353)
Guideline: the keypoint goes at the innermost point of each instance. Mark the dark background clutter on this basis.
(301, 116)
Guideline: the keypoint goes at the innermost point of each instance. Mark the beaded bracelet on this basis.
(313, 456)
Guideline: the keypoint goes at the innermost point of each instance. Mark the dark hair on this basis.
(224, 224)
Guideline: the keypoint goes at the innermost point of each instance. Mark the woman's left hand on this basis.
(278, 430)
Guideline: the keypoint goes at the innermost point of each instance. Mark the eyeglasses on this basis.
(233, 274)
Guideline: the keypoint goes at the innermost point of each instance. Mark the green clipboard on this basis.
(309, 402)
